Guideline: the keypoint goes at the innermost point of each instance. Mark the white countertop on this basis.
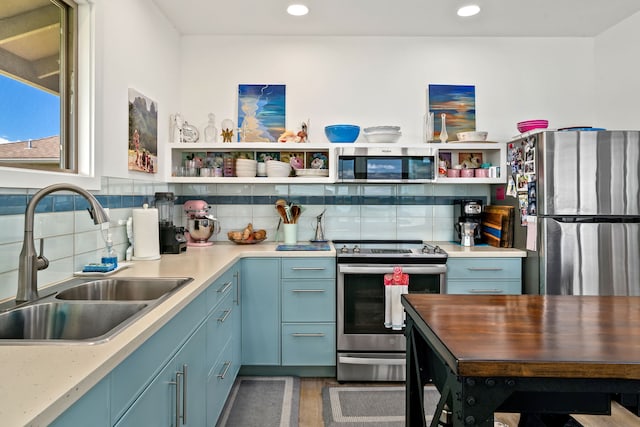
(481, 251)
(41, 381)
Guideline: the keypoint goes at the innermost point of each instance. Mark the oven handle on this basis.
(370, 361)
(410, 269)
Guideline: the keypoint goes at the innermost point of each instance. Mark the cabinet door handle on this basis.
(307, 290)
(222, 289)
(224, 316)
(486, 291)
(484, 269)
(236, 275)
(308, 268)
(227, 365)
(177, 396)
(299, 334)
(184, 394)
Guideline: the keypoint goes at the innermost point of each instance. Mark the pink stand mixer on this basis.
(200, 225)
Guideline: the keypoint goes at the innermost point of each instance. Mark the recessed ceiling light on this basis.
(297, 10)
(470, 10)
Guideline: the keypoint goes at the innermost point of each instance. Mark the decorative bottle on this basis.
(210, 132)
(443, 132)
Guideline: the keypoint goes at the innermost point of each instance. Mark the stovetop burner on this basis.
(389, 251)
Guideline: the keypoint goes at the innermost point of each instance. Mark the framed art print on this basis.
(143, 133)
(261, 112)
(459, 105)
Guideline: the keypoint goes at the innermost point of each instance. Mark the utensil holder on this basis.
(290, 234)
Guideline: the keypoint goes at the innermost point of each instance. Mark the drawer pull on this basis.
(484, 269)
(224, 316)
(222, 289)
(227, 365)
(307, 290)
(299, 334)
(486, 291)
(308, 268)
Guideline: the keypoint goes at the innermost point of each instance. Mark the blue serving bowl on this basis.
(342, 133)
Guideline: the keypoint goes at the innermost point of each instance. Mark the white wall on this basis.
(617, 76)
(383, 80)
(139, 50)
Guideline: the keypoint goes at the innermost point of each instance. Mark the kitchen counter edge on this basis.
(40, 382)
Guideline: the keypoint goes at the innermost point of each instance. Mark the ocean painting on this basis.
(459, 105)
(261, 112)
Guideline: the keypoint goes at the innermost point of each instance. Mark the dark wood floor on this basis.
(311, 409)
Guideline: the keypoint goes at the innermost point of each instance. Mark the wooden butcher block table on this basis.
(530, 354)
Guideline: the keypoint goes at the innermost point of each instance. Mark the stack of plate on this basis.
(246, 167)
(383, 134)
(276, 168)
(312, 172)
(528, 125)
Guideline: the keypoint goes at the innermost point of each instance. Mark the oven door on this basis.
(361, 304)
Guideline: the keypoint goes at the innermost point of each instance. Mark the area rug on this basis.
(375, 406)
(262, 402)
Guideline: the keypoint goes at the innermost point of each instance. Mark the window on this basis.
(38, 56)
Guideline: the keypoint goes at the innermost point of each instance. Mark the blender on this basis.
(200, 225)
(172, 240)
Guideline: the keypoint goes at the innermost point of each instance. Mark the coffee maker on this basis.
(172, 239)
(467, 210)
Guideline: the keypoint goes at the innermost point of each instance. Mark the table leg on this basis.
(414, 401)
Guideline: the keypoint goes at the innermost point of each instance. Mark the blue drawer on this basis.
(220, 288)
(219, 383)
(309, 300)
(309, 344)
(484, 268)
(488, 287)
(219, 328)
(308, 268)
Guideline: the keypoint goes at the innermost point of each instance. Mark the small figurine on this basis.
(227, 130)
(303, 134)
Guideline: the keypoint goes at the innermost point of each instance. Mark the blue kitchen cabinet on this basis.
(308, 312)
(141, 390)
(176, 396)
(90, 410)
(131, 377)
(486, 276)
(260, 301)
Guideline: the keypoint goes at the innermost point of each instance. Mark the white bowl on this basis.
(246, 173)
(243, 162)
(276, 168)
(277, 173)
(383, 137)
(381, 129)
(277, 163)
(472, 136)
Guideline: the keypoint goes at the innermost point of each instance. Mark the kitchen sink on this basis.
(66, 321)
(124, 289)
(83, 310)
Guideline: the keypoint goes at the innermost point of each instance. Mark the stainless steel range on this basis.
(367, 350)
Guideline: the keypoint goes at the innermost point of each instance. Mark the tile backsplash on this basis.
(415, 211)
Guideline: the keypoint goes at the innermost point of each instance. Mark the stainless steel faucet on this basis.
(30, 262)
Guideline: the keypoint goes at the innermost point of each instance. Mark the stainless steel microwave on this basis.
(386, 164)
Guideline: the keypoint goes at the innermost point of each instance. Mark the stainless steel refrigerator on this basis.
(583, 187)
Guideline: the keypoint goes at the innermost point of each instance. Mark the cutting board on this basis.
(497, 225)
(305, 247)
